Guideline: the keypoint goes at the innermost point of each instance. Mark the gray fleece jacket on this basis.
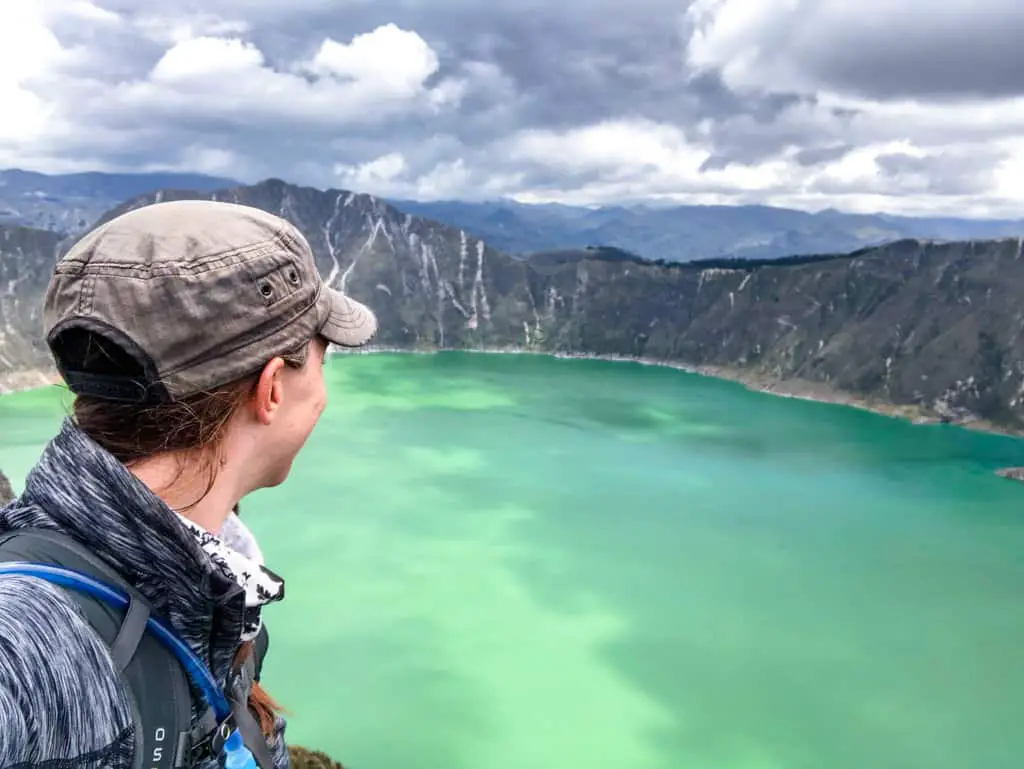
(62, 705)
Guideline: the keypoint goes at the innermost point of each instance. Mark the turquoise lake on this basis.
(519, 562)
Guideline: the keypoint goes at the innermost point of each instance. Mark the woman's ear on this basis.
(268, 393)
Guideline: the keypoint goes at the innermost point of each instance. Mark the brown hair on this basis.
(192, 428)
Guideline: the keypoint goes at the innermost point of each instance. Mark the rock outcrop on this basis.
(6, 492)
(933, 329)
(1011, 473)
(27, 257)
(304, 758)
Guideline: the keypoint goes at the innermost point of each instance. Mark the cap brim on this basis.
(349, 323)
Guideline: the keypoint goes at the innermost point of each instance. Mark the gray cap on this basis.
(201, 293)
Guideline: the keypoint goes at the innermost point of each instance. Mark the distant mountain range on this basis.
(70, 203)
(912, 327)
(686, 233)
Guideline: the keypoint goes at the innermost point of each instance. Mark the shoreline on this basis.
(800, 389)
(28, 379)
(816, 392)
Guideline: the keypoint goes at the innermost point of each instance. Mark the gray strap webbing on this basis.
(133, 627)
(160, 691)
(251, 734)
(156, 683)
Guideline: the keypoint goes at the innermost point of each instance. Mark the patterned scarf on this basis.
(237, 555)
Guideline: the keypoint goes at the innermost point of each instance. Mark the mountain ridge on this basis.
(687, 232)
(656, 229)
(925, 329)
(69, 203)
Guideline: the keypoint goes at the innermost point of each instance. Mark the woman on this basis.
(192, 334)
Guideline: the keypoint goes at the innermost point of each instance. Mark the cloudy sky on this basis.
(913, 106)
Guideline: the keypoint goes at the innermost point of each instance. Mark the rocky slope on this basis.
(70, 203)
(935, 328)
(431, 285)
(6, 492)
(927, 328)
(27, 257)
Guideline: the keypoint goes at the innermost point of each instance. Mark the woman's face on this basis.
(303, 396)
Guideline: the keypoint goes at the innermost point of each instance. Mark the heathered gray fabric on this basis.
(59, 694)
(61, 702)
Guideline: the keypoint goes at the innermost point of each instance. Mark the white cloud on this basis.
(391, 176)
(28, 52)
(611, 147)
(202, 58)
(197, 158)
(375, 173)
(212, 89)
(848, 47)
(1008, 175)
(378, 76)
(393, 60)
(51, 10)
(169, 31)
(726, 37)
(917, 77)
(635, 159)
(904, 110)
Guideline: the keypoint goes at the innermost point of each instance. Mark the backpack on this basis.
(155, 667)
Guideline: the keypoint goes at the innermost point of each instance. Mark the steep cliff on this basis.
(932, 326)
(431, 285)
(27, 257)
(927, 328)
(6, 492)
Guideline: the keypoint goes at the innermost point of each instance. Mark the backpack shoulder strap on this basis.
(157, 686)
(260, 646)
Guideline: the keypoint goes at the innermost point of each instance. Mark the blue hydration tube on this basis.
(236, 754)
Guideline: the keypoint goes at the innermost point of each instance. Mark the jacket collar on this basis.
(81, 490)
(235, 553)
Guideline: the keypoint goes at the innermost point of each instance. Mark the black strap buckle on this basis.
(212, 745)
(221, 734)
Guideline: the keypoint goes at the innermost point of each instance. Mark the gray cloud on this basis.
(593, 100)
(917, 49)
(947, 172)
(812, 156)
(935, 50)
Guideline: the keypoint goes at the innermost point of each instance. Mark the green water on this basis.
(509, 562)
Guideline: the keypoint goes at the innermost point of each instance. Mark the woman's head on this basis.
(196, 331)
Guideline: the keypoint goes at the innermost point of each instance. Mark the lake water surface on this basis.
(517, 562)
